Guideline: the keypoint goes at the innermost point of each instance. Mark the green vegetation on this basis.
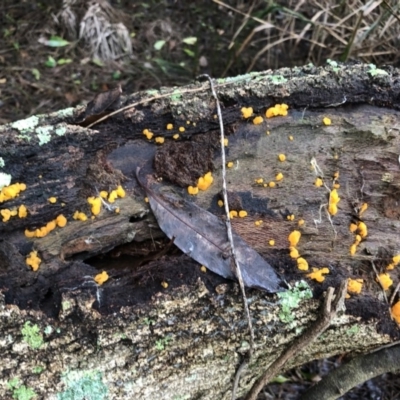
(290, 299)
(162, 343)
(31, 335)
(83, 385)
(19, 391)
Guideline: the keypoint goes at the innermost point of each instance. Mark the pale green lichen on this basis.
(277, 79)
(24, 125)
(2, 163)
(5, 179)
(83, 385)
(31, 335)
(373, 71)
(61, 130)
(290, 299)
(19, 391)
(43, 134)
(66, 112)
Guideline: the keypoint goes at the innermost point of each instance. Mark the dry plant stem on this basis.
(329, 311)
(230, 238)
(353, 373)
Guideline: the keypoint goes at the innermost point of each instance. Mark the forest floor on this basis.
(57, 54)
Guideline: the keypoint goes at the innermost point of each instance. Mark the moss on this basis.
(20, 392)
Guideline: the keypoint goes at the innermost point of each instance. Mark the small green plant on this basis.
(83, 385)
(290, 299)
(38, 369)
(148, 321)
(373, 71)
(20, 392)
(161, 343)
(31, 335)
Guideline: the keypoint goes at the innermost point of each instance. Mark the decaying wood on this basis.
(186, 340)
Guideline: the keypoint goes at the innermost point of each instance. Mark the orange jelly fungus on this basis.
(294, 238)
(333, 202)
(258, 222)
(226, 142)
(353, 227)
(170, 126)
(301, 222)
(318, 274)
(355, 285)
(278, 109)
(103, 194)
(220, 203)
(33, 260)
(279, 176)
(205, 181)
(176, 136)
(22, 211)
(148, 134)
(363, 208)
(159, 140)
(327, 121)
(61, 221)
(396, 312)
(193, 190)
(318, 182)
(258, 120)
(294, 253)
(79, 216)
(247, 112)
(271, 242)
(11, 191)
(242, 213)
(101, 278)
(362, 229)
(181, 129)
(281, 157)
(121, 191)
(302, 264)
(52, 200)
(203, 269)
(233, 214)
(271, 184)
(229, 164)
(385, 280)
(95, 202)
(353, 249)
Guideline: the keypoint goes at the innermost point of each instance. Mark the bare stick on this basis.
(329, 311)
(230, 238)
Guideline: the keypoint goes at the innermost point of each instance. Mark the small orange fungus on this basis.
(302, 264)
(247, 112)
(95, 202)
(362, 229)
(281, 157)
(11, 191)
(33, 260)
(159, 140)
(290, 217)
(294, 238)
(80, 216)
(220, 203)
(52, 200)
(193, 190)
(176, 136)
(233, 214)
(164, 284)
(291, 138)
(170, 126)
(333, 202)
(258, 120)
(278, 109)
(396, 312)
(120, 191)
(385, 280)
(327, 121)
(294, 253)
(259, 181)
(181, 129)
(363, 208)
(203, 269)
(279, 176)
(258, 222)
(355, 285)
(318, 182)
(229, 164)
(271, 184)
(101, 278)
(271, 242)
(146, 199)
(148, 134)
(205, 181)
(242, 213)
(301, 222)
(353, 249)
(61, 221)
(103, 194)
(318, 274)
(226, 142)
(353, 227)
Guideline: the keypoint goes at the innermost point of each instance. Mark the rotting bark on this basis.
(122, 328)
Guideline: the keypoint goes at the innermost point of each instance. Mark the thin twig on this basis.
(230, 238)
(329, 311)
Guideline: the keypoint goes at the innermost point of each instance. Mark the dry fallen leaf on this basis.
(203, 237)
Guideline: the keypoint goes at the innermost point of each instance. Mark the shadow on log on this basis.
(133, 337)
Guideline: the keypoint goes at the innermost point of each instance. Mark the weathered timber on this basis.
(186, 341)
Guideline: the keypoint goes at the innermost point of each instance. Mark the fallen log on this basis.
(133, 337)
